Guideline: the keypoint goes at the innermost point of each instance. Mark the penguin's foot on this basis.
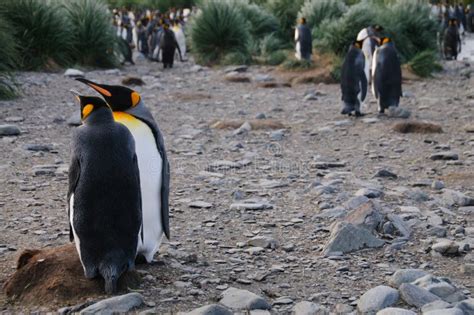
(346, 111)
(140, 260)
(359, 114)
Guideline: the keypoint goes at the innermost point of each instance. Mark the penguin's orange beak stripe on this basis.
(100, 90)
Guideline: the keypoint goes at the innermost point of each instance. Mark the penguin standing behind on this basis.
(168, 46)
(180, 38)
(386, 75)
(452, 41)
(129, 109)
(353, 80)
(104, 194)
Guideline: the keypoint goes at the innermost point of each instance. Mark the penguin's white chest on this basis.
(150, 165)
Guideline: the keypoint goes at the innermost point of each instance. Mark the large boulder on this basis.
(347, 237)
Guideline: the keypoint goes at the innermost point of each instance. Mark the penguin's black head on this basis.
(89, 104)
(357, 44)
(120, 98)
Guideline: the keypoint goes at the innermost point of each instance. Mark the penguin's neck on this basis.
(99, 116)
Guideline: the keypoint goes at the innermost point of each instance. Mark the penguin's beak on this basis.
(76, 94)
(98, 87)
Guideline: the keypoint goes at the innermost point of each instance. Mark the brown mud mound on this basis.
(417, 127)
(133, 81)
(320, 71)
(271, 85)
(255, 123)
(55, 275)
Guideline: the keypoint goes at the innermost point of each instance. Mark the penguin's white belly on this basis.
(150, 166)
(77, 241)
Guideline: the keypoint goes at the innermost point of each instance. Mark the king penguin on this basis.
(386, 75)
(129, 109)
(104, 194)
(353, 80)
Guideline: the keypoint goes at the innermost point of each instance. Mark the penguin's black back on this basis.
(352, 75)
(107, 204)
(388, 76)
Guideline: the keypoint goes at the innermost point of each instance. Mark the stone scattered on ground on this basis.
(377, 299)
(74, 73)
(9, 130)
(241, 300)
(117, 304)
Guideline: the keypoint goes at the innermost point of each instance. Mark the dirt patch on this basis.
(55, 275)
(133, 81)
(188, 97)
(408, 75)
(270, 85)
(417, 127)
(237, 78)
(320, 72)
(461, 179)
(255, 123)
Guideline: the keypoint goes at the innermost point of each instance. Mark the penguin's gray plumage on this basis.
(353, 80)
(104, 194)
(386, 76)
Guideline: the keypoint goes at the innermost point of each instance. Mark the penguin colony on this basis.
(371, 60)
(118, 184)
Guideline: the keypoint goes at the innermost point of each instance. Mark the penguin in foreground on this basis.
(104, 204)
(129, 109)
(353, 80)
(386, 75)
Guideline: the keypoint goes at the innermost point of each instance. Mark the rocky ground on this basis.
(288, 214)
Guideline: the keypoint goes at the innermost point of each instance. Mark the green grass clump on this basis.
(219, 29)
(271, 43)
(316, 11)
(276, 58)
(425, 63)
(295, 64)
(92, 34)
(236, 58)
(8, 60)
(261, 21)
(41, 31)
(286, 11)
(337, 34)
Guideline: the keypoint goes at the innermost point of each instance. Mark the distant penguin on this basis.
(180, 38)
(104, 194)
(386, 75)
(304, 41)
(168, 46)
(129, 109)
(452, 40)
(353, 80)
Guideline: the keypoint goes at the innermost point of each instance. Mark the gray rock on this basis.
(277, 135)
(446, 247)
(446, 311)
(243, 129)
(74, 73)
(435, 285)
(417, 195)
(395, 311)
(38, 147)
(369, 192)
(439, 231)
(467, 306)
(405, 276)
(250, 206)
(213, 309)
(366, 216)
(445, 156)
(437, 184)
(377, 299)
(436, 305)
(14, 119)
(263, 241)
(385, 174)
(346, 237)
(356, 202)
(452, 197)
(9, 130)
(416, 296)
(398, 112)
(260, 116)
(241, 68)
(284, 300)
(75, 119)
(310, 97)
(117, 304)
(238, 299)
(200, 204)
(309, 308)
(399, 224)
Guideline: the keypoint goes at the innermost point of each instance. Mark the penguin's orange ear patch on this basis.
(87, 110)
(135, 98)
(100, 90)
(386, 40)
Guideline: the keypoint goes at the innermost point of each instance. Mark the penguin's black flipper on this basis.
(137, 172)
(74, 174)
(142, 113)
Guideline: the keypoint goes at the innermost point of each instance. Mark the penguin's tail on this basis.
(111, 276)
